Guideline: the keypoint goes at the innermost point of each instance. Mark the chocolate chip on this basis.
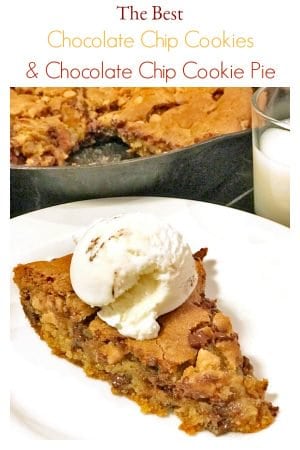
(119, 381)
(217, 94)
(160, 109)
(273, 409)
(206, 303)
(247, 367)
(202, 335)
(92, 248)
(118, 234)
(198, 339)
(200, 254)
(26, 295)
(88, 319)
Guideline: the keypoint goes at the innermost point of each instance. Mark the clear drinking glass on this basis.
(271, 153)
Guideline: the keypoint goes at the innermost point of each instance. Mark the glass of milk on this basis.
(271, 153)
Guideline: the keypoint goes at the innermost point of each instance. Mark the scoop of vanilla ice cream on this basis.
(136, 268)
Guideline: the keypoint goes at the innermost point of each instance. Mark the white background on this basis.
(24, 29)
(269, 25)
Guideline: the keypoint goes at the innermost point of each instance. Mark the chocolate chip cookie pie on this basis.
(194, 368)
(48, 124)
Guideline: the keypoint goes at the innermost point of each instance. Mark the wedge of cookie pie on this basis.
(194, 368)
(48, 124)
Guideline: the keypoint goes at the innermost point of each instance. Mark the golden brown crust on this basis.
(47, 124)
(162, 119)
(194, 368)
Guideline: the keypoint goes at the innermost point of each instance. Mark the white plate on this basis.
(247, 272)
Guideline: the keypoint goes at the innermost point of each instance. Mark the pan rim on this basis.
(223, 137)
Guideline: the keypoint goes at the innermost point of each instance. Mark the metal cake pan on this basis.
(194, 172)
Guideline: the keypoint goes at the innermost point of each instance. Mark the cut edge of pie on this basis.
(194, 368)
